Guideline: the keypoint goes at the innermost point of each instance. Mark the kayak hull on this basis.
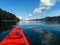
(15, 37)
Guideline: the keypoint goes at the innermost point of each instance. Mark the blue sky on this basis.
(22, 8)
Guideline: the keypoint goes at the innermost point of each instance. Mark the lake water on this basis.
(39, 32)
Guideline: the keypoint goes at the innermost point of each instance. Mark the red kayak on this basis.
(15, 37)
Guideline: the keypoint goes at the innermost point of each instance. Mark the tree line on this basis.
(7, 20)
(4, 15)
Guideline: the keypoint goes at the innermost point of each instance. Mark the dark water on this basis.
(39, 32)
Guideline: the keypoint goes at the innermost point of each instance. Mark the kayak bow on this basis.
(15, 37)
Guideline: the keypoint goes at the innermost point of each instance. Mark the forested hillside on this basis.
(7, 19)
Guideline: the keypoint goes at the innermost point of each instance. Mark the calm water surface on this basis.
(39, 32)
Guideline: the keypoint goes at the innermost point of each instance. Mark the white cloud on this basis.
(20, 17)
(27, 19)
(47, 2)
(36, 11)
(44, 5)
(29, 15)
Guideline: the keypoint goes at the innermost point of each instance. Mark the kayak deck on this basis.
(15, 37)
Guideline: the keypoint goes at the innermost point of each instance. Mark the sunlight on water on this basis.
(31, 23)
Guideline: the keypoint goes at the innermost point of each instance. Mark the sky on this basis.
(31, 9)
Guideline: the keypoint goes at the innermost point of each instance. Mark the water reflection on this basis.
(39, 32)
(30, 22)
(48, 38)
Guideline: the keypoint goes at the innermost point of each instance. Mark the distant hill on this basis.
(51, 19)
(7, 19)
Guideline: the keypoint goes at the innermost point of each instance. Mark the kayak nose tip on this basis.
(18, 27)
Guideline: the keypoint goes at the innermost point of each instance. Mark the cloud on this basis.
(36, 11)
(47, 2)
(29, 15)
(27, 19)
(20, 17)
(43, 6)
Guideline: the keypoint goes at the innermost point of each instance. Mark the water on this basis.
(39, 32)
